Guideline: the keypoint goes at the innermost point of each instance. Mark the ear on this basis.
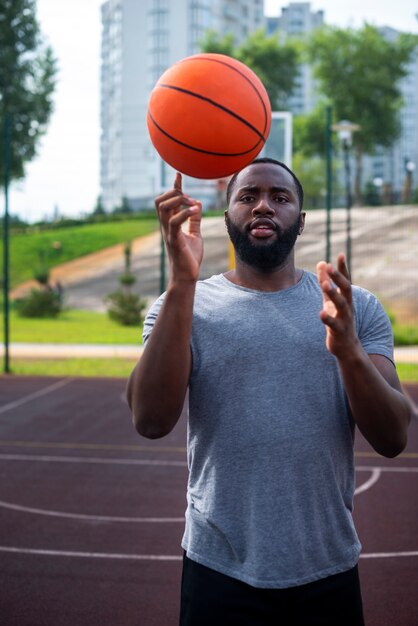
(302, 222)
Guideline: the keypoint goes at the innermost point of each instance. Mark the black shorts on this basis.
(209, 598)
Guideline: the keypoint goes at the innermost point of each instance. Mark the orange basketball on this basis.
(208, 116)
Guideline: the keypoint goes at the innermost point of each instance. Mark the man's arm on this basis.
(379, 408)
(157, 386)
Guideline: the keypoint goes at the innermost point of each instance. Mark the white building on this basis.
(389, 167)
(140, 39)
(297, 20)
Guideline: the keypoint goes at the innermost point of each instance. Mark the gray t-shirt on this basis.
(270, 434)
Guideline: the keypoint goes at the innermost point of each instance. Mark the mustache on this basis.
(263, 221)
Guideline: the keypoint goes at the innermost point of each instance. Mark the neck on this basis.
(278, 278)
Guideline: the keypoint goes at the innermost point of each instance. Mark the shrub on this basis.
(40, 303)
(127, 280)
(125, 308)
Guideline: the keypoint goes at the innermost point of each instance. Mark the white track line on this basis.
(376, 473)
(35, 394)
(91, 518)
(369, 483)
(162, 557)
(93, 555)
(89, 446)
(388, 555)
(112, 461)
(406, 470)
(89, 459)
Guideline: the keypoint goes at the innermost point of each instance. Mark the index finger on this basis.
(342, 266)
(172, 194)
(178, 183)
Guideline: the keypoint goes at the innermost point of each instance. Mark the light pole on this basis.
(328, 157)
(378, 184)
(6, 303)
(409, 170)
(162, 244)
(345, 130)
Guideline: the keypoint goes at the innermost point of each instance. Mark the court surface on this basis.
(91, 514)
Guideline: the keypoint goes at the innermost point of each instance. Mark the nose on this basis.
(263, 207)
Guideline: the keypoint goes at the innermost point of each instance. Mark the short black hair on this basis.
(298, 184)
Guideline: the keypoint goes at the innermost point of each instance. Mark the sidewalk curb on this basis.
(71, 351)
(404, 354)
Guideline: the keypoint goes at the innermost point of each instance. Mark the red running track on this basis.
(91, 515)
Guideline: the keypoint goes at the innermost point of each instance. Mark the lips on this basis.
(262, 228)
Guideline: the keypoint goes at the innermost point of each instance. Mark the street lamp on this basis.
(409, 170)
(6, 253)
(162, 243)
(378, 184)
(345, 130)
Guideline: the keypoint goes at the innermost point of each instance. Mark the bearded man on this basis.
(280, 366)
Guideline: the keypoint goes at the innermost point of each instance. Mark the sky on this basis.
(64, 177)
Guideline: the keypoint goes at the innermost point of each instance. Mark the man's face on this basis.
(264, 219)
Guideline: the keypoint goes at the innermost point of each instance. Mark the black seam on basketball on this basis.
(186, 145)
(215, 104)
(232, 67)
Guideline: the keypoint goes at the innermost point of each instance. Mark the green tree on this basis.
(27, 81)
(123, 306)
(124, 206)
(213, 42)
(309, 132)
(311, 171)
(99, 208)
(359, 71)
(275, 63)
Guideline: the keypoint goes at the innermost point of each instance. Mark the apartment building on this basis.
(389, 168)
(297, 20)
(140, 39)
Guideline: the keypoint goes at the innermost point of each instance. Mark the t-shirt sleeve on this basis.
(150, 318)
(373, 324)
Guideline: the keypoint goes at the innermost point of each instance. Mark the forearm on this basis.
(380, 410)
(158, 384)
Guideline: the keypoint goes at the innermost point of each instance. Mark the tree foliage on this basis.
(123, 306)
(274, 63)
(311, 171)
(359, 71)
(309, 132)
(27, 81)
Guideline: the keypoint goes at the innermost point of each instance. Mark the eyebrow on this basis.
(254, 188)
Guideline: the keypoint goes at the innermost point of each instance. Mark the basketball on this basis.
(209, 115)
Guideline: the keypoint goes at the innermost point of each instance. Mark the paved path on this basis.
(384, 245)
(385, 261)
(407, 354)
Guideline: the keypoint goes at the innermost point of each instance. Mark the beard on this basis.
(264, 256)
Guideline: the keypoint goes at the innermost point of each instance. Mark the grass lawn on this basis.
(405, 335)
(88, 327)
(76, 326)
(408, 372)
(60, 245)
(114, 368)
(72, 326)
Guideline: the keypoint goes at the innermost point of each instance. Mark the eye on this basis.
(247, 198)
(280, 198)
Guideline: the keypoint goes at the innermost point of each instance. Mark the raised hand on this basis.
(337, 312)
(184, 247)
